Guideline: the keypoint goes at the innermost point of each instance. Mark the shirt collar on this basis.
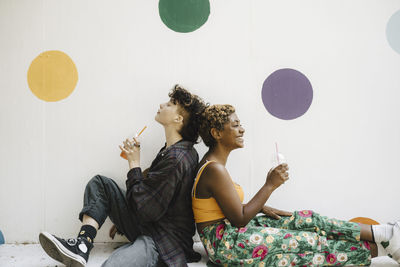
(180, 144)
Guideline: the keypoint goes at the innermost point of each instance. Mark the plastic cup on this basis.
(123, 155)
(277, 159)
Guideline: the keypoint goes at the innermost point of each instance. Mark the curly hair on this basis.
(214, 116)
(191, 108)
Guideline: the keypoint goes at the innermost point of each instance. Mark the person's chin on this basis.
(159, 120)
(239, 144)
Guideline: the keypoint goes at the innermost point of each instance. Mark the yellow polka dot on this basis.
(52, 76)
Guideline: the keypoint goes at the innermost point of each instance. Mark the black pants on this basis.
(103, 197)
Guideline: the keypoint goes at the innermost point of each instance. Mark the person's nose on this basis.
(242, 130)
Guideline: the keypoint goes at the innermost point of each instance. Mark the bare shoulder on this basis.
(215, 172)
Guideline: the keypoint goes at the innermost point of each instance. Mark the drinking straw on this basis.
(277, 153)
(144, 128)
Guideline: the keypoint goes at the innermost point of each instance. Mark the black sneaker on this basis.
(73, 252)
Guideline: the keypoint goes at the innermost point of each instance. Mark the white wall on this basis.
(343, 153)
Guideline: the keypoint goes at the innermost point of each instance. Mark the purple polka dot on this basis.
(287, 94)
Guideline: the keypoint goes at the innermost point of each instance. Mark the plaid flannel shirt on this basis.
(162, 202)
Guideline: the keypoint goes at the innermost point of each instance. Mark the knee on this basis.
(98, 180)
(145, 250)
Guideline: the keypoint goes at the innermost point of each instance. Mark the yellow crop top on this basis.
(207, 209)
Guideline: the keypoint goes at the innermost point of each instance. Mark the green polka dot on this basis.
(184, 15)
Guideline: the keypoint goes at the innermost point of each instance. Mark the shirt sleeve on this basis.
(151, 196)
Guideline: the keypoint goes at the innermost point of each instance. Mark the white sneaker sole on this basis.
(57, 251)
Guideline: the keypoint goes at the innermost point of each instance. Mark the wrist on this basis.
(269, 188)
(134, 164)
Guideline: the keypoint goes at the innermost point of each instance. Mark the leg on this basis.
(374, 249)
(331, 252)
(332, 228)
(366, 233)
(103, 198)
(310, 221)
(90, 221)
(141, 253)
(255, 245)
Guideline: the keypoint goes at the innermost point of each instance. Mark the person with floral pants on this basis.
(233, 234)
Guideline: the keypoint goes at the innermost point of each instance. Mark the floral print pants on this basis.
(304, 239)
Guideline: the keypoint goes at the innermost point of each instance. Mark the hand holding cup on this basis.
(131, 149)
(277, 176)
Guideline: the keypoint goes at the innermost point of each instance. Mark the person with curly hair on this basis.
(154, 212)
(233, 234)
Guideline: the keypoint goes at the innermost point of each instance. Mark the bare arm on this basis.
(218, 182)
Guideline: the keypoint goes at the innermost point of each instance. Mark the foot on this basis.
(393, 247)
(73, 252)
